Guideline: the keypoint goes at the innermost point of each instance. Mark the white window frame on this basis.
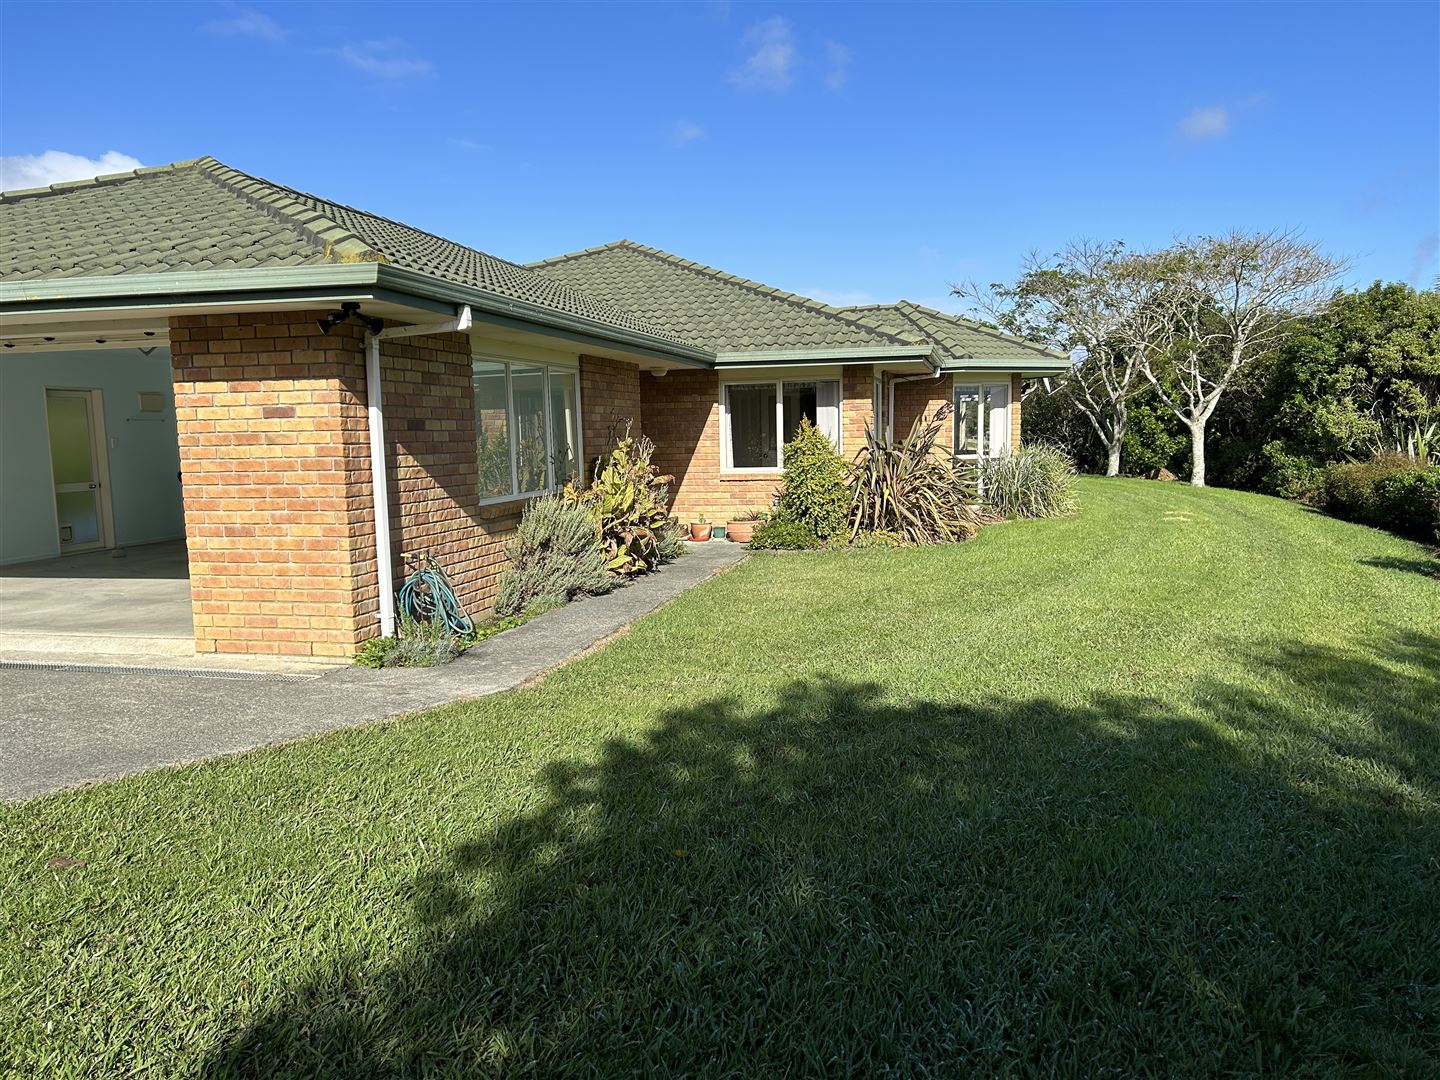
(545, 369)
(985, 446)
(727, 464)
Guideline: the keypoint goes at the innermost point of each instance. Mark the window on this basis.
(877, 404)
(982, 420)
(527, 423)
(759, 418)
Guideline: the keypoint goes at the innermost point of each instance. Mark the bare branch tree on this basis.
(1221, 302)
(1082, 300)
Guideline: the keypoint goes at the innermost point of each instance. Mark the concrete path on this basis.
(59, 728)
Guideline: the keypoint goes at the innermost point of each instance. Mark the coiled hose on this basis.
(427, 595)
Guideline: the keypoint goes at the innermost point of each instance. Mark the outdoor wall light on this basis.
(348, 310)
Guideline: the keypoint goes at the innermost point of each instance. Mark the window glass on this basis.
(997, 418)
(800, 404)
(527, 390)
(564, 418)
(492, 429)
(967, 420)
(752, 426)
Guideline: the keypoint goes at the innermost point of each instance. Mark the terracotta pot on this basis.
(699, 531)
(742, 532)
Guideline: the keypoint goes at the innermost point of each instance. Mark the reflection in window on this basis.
(564, 423)
(752, 426)
(492, 429)
(527, 390)
(527, 425)
(967, 420)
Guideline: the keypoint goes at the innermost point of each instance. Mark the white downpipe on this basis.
(379, 485)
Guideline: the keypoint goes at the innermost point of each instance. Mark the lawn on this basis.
(1152, 790)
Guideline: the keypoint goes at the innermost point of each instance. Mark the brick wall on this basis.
(274, 449)
(923, 397)
(430, 454)
(682, 415)
(609, 399)
(273, 453)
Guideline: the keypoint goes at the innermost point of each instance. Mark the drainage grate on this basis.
(183, 673)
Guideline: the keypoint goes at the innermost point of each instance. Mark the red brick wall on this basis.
(609, 399)
(682, 415)
(273, 454)
(274, 448)
(430, 454)
(922, 397)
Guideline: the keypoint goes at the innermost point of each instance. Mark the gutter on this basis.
(862, 353)
(379, 483)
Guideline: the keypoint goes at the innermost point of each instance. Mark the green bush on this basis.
(911, 489)
(813, 490)
(1390, 491)
(555, 556)
(629, 501)
(781, 534)
(415, 644)
(1033, 482)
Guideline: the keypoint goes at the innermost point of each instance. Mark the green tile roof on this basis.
(202, 215)
(709, 307)
(958, 338)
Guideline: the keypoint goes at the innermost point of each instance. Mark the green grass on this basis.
(1152, 790)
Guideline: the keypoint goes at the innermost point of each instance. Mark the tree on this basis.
(1218, 304)
(1083, 299)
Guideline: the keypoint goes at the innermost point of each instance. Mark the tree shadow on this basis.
(845, 883)
(1426, 567)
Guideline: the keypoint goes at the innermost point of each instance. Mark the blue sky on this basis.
(852, 152)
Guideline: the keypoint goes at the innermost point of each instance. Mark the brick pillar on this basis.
(275, 476)
(1016, 386)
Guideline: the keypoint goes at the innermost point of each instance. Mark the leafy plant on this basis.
(1389, 491)
(628, 500)
(813, 490)
(1035, 481)
(556, 555)
(911, 488)
(415, 644)
(782, 534)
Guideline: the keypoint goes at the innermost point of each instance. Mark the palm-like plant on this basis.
(912, 488)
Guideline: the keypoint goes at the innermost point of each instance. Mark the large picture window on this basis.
(527, 422)
(761, 417)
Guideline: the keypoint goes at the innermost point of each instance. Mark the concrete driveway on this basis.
(60, 727)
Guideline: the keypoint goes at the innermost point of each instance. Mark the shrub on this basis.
(1033, 482)
(1390, 491)
(911, 488)
(415, 644)
(782, 534)
(555, 556)
(813, 490)
(629, 501)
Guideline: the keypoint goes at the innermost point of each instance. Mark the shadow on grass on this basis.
(840, 883)
(1426, 567)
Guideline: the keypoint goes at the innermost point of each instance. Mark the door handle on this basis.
(94, 486)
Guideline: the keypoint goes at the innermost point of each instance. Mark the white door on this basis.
(77, 466)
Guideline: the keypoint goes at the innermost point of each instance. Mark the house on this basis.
(191, 352)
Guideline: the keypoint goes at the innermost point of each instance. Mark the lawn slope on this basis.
(1155, 789)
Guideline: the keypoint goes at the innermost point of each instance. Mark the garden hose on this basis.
(427, 595)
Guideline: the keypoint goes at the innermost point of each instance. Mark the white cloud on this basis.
(771, 62)
(245, 22)
(839, 57)
(685, 132)
(469, 144)
(387, 59)
(56, 166)
(840, 297)
(1206, 122)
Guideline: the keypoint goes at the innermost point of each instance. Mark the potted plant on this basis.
(741, 528)
(700, 529)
